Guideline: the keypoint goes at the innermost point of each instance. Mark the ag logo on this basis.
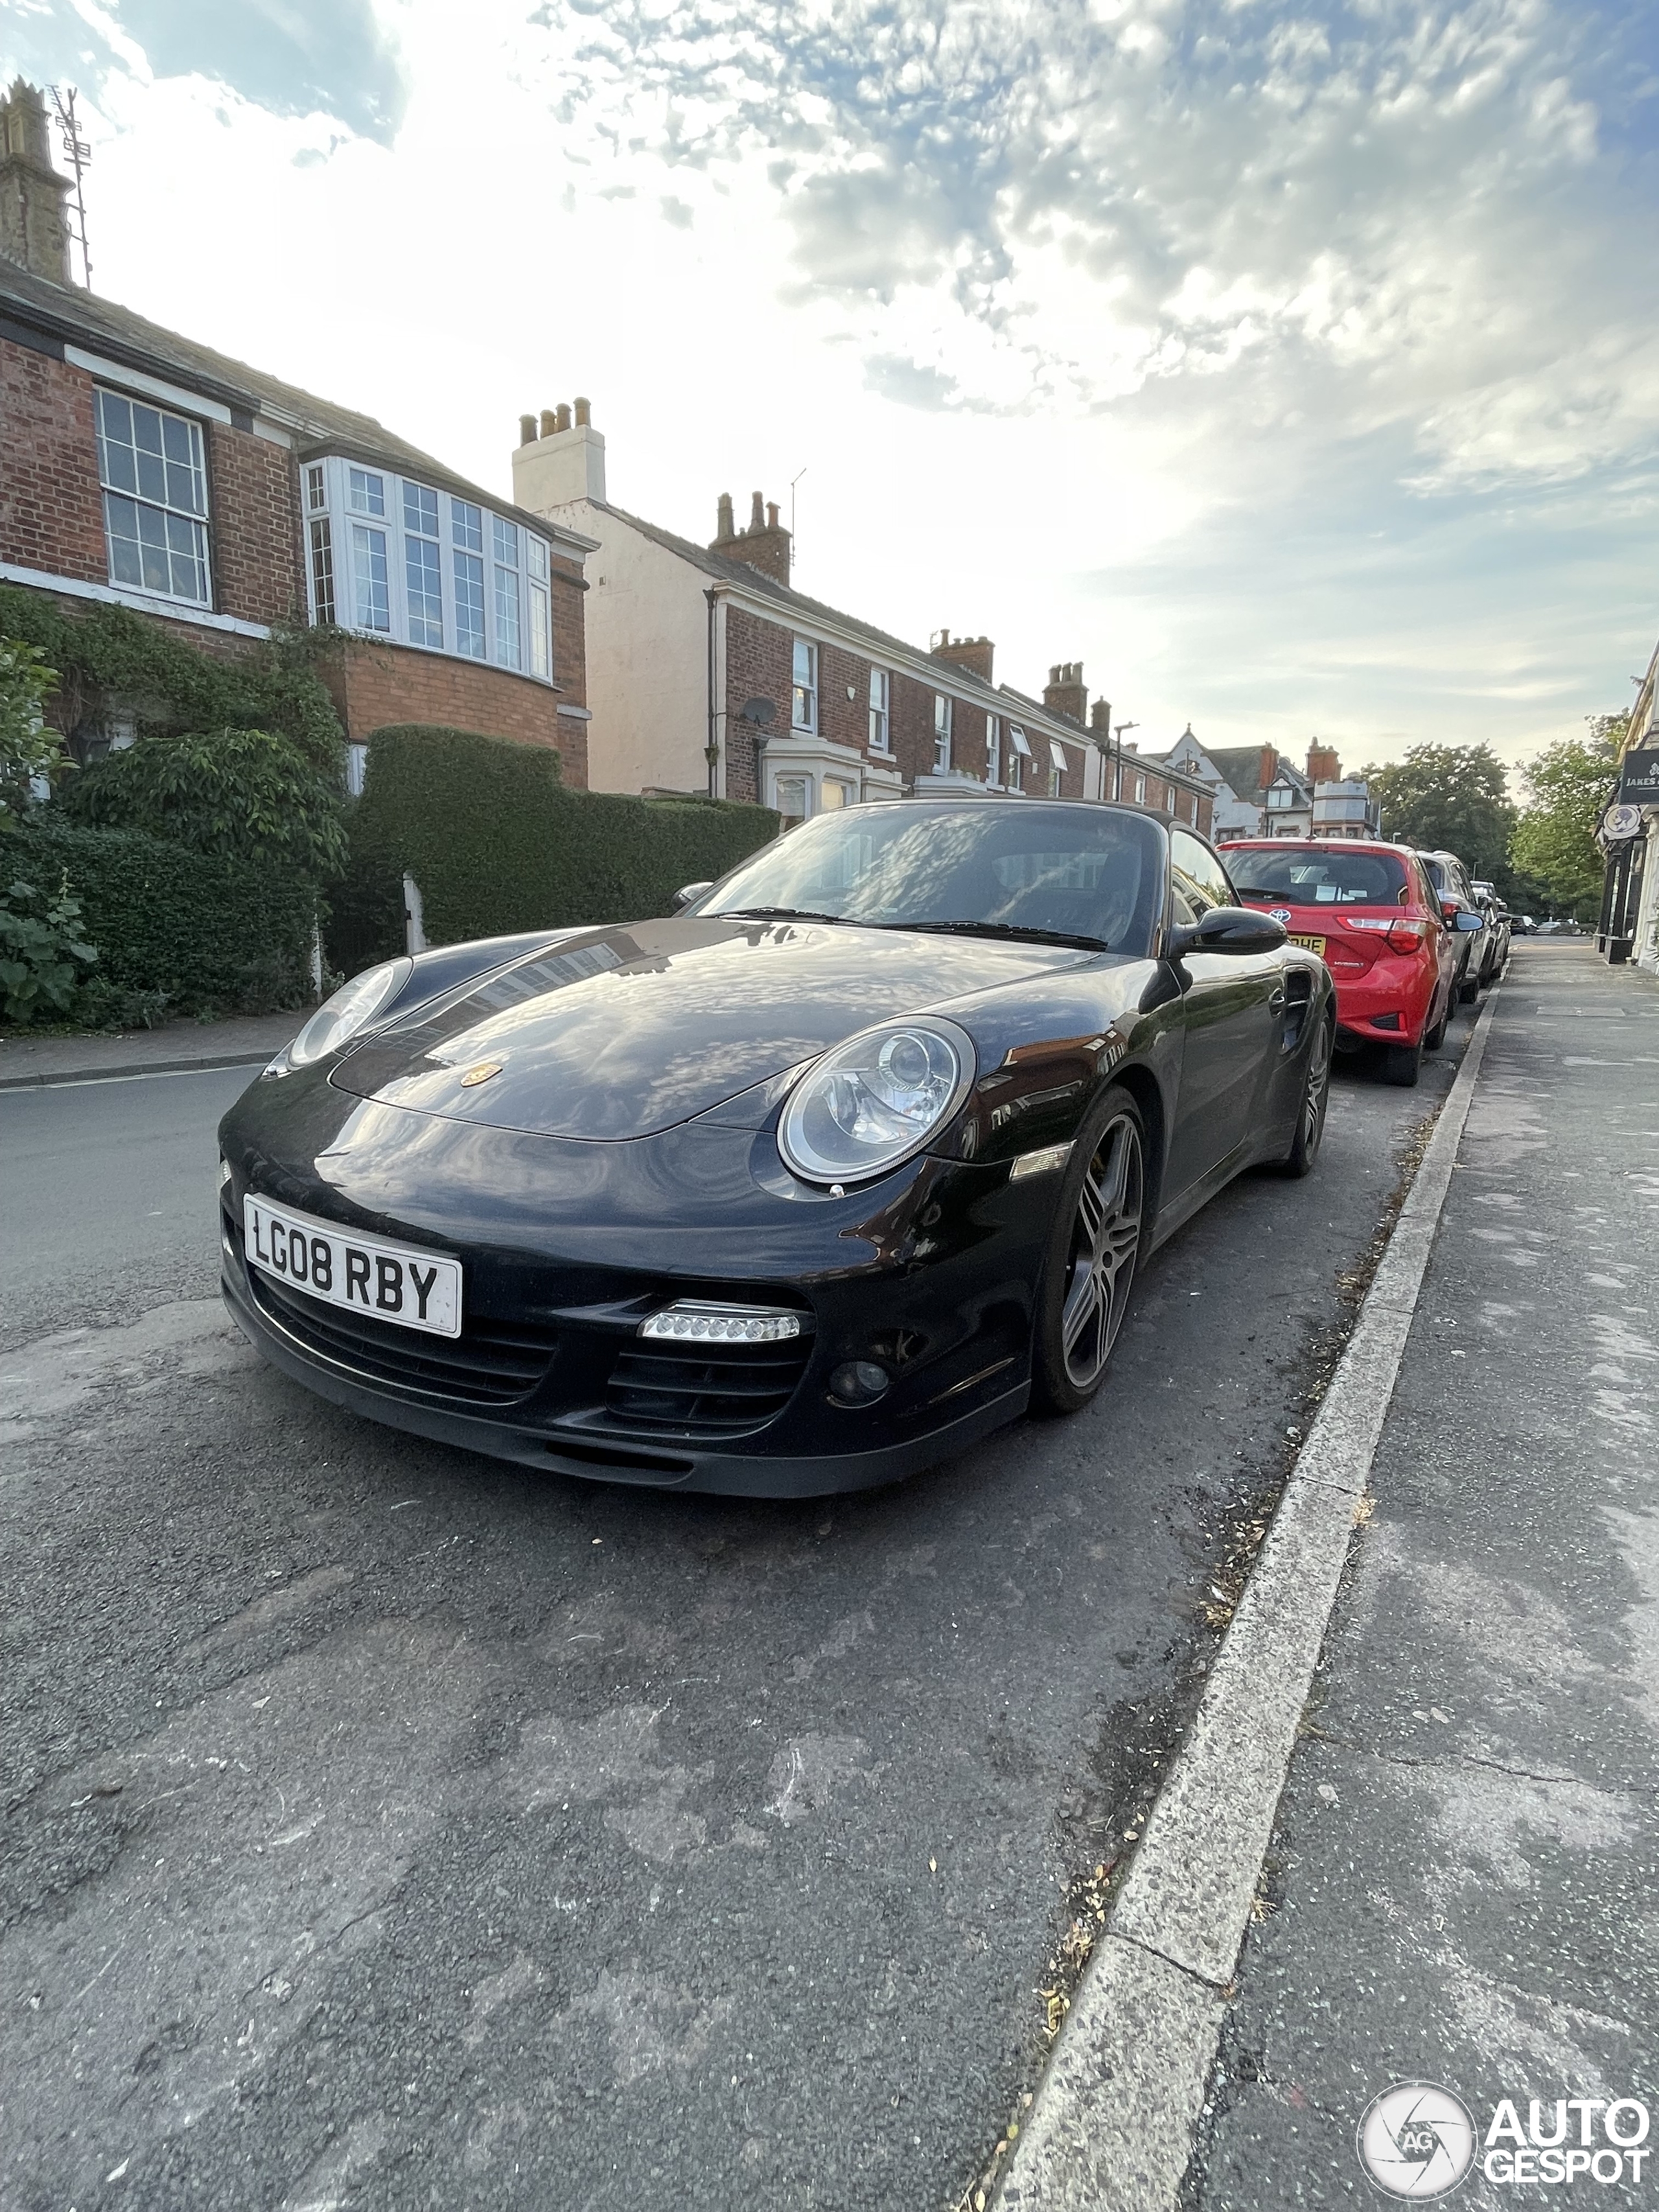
(1417, 2141)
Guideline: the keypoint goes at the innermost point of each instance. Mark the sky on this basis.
(1296, 368)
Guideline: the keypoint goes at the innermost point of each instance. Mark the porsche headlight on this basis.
(351, 1008)
(875, 1100)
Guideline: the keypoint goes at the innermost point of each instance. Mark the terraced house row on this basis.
(140, 467)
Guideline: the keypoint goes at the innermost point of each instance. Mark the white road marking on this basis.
(1112, 2126)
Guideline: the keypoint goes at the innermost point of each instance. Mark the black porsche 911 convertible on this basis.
(812, 1185)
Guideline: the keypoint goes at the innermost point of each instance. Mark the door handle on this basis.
(1276, 1004)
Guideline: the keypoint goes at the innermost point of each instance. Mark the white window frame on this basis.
(194, 516)
(994, 751)
(1140, 791)
(804, 686)
(792, 777)
(943, 716)
(336, 515)
(881, 711)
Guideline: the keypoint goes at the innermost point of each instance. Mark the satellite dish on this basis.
(759, 711)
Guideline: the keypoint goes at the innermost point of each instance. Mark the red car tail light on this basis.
(1405, 937)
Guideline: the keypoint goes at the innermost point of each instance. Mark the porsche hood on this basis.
(622, 1032)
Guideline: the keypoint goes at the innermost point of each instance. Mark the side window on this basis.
(1197, 867)
(1186, 901)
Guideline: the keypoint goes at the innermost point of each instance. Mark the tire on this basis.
(1402, 1064)
(1434, 1038)
(1315, 1098)
(1095, 1241)
(1469, 992)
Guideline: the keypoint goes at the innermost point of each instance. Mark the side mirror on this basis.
(1227, 929)
(1468, 921)
(688, 892)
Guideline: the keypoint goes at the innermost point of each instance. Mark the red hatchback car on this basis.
(1371, 911)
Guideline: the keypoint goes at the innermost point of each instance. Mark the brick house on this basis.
(140, 468)
(708, 671)
(1258, 792)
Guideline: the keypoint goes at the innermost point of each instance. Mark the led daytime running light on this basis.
(693, 1322)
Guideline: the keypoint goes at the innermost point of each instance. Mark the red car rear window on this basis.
(1315, 875)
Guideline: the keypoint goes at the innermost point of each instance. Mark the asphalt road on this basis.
(387, 1827)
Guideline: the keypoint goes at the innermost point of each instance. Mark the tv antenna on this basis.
(793, 481)
(79, 154)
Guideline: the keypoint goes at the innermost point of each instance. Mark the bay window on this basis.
(402, 560)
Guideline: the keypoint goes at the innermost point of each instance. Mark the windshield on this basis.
(1313, 875)
(1088, 875)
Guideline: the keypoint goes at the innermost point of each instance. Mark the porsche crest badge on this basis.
(481, 1073)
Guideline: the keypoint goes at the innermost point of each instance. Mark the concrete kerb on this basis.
(1111, 2127)
(206, 1066)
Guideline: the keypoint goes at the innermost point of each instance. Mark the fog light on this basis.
(694, 1320)
(858, 1382)
(1385, 1021)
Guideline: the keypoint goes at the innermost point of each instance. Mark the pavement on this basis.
(386, 1826)
(1459, 1886)
(175, 1048)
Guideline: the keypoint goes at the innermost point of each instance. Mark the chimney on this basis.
(1100, 722)
(1323, 766)
(1269, 767)
(562, 466)
(973, 653)
(33, 222)
(1066, 692)
(764, 545)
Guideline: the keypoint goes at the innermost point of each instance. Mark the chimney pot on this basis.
(725, 522)
(756, 511)
(771, 514)
(561, 416)
(584, 414)
(550, 422)
(526, 429)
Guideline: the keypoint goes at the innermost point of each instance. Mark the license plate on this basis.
(1313, 944)
(388, 1282)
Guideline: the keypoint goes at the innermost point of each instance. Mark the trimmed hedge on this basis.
(497, 844)
(216, 936)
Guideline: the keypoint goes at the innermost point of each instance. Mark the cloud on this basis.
(291, 57)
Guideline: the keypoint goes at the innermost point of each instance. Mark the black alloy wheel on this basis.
(1316, 1101)
(1092, 1250)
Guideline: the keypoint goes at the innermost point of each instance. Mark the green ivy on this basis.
(497, 844)
(272, 684)
(204, 935)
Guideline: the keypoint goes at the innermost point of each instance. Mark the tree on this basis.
(29, 749)
(1566, 787)
(1451, 798)
(238, 795)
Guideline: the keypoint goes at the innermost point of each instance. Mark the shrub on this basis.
(497, 844)
(27, 747)
(238, 795)
(45, 957)
(210, 935)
